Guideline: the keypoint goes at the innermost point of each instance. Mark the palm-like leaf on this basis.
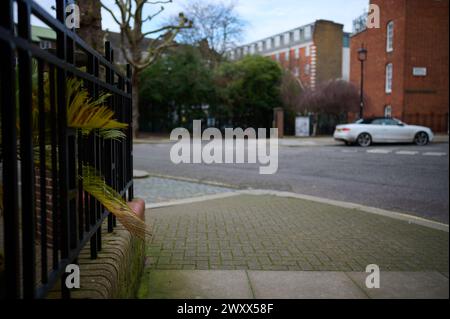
(95, 185)
(88, 114)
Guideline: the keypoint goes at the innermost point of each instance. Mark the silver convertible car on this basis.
(364, 132)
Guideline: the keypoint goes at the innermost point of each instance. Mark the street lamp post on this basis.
(362, 57)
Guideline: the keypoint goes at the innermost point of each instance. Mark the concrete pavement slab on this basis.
(195, 284)
(303, 285)
(405, 285)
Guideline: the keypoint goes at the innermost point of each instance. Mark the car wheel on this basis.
(421, 139)
(364, 140)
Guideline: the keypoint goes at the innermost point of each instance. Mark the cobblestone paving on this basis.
(273, 233)
(156, 190)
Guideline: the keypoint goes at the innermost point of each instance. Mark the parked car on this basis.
(364, 132)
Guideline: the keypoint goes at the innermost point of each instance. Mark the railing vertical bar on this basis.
(42, 171)
(130, 131)
(26, 155)
(72, 163)
(97, 159)
(108, 153)
(90, 159)
(64, 208)
(81, 206)
(9, 150)
(54, 156)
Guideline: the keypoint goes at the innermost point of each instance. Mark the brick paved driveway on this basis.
(274, 233)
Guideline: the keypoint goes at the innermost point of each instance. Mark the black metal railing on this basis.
(47, 216)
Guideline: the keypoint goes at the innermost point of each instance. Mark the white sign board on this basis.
(420, 71)
(302, 127)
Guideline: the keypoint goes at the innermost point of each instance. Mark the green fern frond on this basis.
(112, 134)
(95, 185)
(88, 114)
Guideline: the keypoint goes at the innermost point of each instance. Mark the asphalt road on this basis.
(402, 178)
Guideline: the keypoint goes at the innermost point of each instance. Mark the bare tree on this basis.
(130, 18)
(217, 23)
(91, 23)
(291, 92)
(332, 97)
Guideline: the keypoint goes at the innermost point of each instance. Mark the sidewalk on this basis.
(287, 141)
(249, 246)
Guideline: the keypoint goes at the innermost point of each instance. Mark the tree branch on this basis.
(111, 13)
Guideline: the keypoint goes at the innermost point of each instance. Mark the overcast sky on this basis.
(264, 17)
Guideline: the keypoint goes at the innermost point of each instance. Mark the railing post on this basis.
(129, 107)
(64, 206)
(26, 154)
(9, 150)
(108, 147)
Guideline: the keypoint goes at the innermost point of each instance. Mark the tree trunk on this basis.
(91, 24)
(135, 97)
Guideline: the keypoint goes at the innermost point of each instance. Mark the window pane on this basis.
(390, 37)
(388, 111)
(389, 72)
(307, 32)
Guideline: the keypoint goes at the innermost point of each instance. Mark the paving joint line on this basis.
(354, 282)
(250, 284)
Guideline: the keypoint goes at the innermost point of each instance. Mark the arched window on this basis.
(390, 37)
(389, 75)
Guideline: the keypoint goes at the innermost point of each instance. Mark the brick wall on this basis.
(420, 40)
(375, 67)
(427, 46)
(328, 40)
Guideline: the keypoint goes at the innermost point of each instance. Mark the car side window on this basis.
(391, 122)
(378, 122)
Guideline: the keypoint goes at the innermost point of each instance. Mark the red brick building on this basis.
(406, 72)
(313, 53)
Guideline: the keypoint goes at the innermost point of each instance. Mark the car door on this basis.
(376, 130)
(395, 131)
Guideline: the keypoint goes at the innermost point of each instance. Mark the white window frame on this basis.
(287, 38)
(260, 46)
(277, 56)
(287, 56)
(297, 53)
(308, 32)
(307, 69)
(297, 71)
(307, 50)
(297, 35)
(269, 44)
(390, 36)
(389, 77)
(388, 111)
(45, 44)
(277, 41)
